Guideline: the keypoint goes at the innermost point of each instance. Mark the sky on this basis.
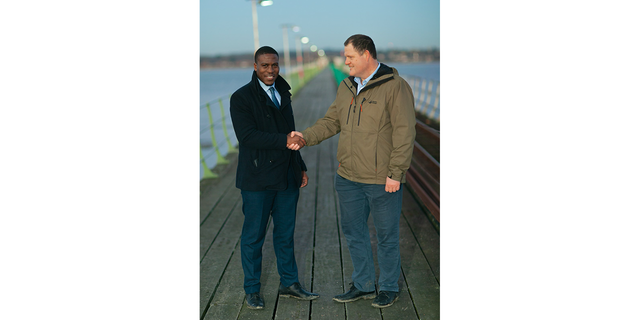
(226, 26)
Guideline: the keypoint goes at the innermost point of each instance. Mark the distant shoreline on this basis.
(245, 60)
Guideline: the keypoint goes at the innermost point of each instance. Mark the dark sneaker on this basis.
(385, 299)
(296, 291)
(354, 294)
(254, 301)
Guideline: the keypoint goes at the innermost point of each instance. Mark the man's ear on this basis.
(367, 55)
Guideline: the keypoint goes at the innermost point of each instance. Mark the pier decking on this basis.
(321, 251)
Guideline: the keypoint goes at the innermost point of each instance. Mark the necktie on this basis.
(273, 97)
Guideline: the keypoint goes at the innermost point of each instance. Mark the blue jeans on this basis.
(256, 207)
(356, 201)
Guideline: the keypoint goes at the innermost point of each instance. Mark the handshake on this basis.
(295, 140)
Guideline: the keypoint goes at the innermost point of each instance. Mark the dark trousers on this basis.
(256, 207)
(357, 201)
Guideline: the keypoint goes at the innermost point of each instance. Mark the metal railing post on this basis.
(208, 174)
(435, 104)
(221, 159)
(423, 93)
(429, 91)
(231, 148)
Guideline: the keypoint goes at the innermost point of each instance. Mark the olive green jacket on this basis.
(377, 128)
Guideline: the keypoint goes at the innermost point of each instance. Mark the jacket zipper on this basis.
(359, 114)
(349, 113)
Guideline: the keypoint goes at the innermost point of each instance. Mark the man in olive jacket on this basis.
(269, 175)
(374, 114)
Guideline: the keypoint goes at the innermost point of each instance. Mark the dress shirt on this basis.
(266, 89)
(364, 83)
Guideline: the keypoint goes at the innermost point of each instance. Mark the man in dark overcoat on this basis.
(269, 175)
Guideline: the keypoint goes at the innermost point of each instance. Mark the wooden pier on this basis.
(321, 251)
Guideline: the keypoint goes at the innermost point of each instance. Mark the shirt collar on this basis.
(364, 83)
(266, 87)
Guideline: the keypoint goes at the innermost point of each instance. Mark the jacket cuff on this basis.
(283, 139)
(306, 135)
(397, 176)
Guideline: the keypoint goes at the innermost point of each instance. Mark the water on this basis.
(221, 83)
(429, 71)
(218, 84)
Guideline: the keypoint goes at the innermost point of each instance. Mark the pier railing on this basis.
(423, 176)
(426, 93)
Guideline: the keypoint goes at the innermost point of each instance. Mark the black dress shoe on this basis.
(254, 301)
(385, 299)
(354, 294)
(296, 291)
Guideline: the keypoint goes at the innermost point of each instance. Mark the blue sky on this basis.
(226, 25)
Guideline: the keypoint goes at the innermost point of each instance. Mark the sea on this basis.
(217, 85)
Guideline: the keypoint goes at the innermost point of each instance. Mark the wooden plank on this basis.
(421, 282)
(212, 190)
(427, 201)
(428, 138)
(422, 128)
(215, 262)
(426, 182)
(426, 161)
(327, 268)
(212, 226)
(424, 232)
(229, 297)
(308, 104)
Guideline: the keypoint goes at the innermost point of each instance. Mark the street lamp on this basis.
(299, 57)
(264, 3)
(285, 40)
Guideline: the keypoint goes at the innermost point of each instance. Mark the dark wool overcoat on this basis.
(261, 129)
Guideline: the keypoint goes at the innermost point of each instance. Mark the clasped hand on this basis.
(295, 141)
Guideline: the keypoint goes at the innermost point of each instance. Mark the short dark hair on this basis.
(264, 50)
(360, 42)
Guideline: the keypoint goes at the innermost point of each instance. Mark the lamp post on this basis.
(299, 42)
(256, 38)
(285, 40)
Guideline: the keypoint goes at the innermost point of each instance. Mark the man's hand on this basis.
(295, 141)
(392, 185)
(305, 179)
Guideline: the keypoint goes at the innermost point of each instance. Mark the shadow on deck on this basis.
(321, 251)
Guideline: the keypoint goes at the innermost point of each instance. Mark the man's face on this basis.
(267, 68)
(357, 63)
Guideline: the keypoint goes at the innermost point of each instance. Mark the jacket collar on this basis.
(384, 74)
